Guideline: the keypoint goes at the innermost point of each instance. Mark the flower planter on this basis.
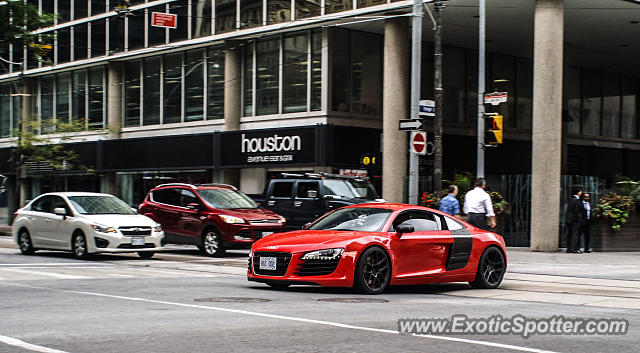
(626, 239)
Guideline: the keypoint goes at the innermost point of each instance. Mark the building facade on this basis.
(241, 90)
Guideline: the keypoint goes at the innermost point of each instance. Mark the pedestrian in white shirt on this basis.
(478, 206)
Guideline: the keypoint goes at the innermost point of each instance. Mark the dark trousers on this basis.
(573, 237)
(586, 232)
(478, 220)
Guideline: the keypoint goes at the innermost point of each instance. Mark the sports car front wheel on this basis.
(491, 269)
(373, 271)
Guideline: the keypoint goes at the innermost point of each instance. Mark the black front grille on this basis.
(316, 267)
(264, 221)
(282, 263)
(131, 246)
(135, 231)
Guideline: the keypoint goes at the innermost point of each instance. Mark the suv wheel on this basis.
(212, 243)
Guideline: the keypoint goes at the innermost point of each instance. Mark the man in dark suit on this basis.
(586, 229)
(575, 220)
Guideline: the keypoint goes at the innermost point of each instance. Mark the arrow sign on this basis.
(410, 124)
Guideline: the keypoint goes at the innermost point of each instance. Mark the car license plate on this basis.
(137, 241)
(268, 263)
(264, 234)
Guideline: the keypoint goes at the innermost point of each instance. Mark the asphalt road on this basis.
(183, 302)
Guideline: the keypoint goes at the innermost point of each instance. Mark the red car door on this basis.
(423, 252)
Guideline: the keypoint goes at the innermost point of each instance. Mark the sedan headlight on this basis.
(157, 228)
(282, 219)
(103, 229)
(231, 219)
(324, 254)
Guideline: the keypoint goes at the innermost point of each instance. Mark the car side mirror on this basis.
(60, 211)
(193, 206)
(312, 194)
(404, 228)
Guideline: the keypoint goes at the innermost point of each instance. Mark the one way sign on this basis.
(410, 124)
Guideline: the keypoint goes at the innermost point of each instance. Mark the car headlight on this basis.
(103, 229)
(231, 219)
(282, 219)
(324, 254)
(157, 228)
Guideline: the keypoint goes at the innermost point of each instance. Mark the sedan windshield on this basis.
(359, 219)
(94, 205)
(226, 199)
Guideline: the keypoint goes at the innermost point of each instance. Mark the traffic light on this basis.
(492, 129)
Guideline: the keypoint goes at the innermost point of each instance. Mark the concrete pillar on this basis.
(114, 99)
(547, 124)
(395, 103)
(232, 102)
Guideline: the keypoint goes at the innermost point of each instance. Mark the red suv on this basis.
(214, 217)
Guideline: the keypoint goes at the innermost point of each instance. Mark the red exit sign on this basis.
(166, 20)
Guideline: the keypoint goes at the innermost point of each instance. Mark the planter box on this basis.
(626, 239)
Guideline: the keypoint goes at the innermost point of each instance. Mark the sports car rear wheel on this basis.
(373, 271)
(491, 268)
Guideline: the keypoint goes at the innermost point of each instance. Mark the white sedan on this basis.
(85, 223)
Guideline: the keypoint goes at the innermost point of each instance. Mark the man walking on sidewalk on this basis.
(478, 206)
(586, 228)
(575, 221)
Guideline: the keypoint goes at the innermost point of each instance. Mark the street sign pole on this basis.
(481, 62)
(416, 62)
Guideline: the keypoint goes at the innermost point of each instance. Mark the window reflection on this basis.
(333, 6)
(132, 93)
(247, 75)
(96, 98)
(180, 8)
(63, 81)
(295, 72)
(151, 92)
(278, 11)
(5, 110)
(267, 76)
(98, 38)
(78, 98)
(250, 13)
(172, 88)
(611, 106)
(136, 30)
(46, 104)
(194, 86)
(629, 107)
(366, 3)
(573, 98)
(215, 83)
(80, 45)
(591, 102)
(225, 16)
(307, 8)
(316, 69)
(200, 18)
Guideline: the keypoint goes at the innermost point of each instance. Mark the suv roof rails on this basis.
(176, 184)
(321, 175)
(220, 185)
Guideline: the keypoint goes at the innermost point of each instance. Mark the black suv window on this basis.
(42, 204)
(305, 186)
(282, 189)
(166, 196)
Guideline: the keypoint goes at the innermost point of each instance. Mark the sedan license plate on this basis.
(137, 241)
(268, 263)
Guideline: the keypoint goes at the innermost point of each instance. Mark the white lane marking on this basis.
(24, 345)
(119, 275)
(293, 318)
(41, 273)
(52, 267)
(55, 264)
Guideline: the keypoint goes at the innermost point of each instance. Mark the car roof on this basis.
(76, 193)
(194, 186)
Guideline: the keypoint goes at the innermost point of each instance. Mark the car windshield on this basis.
(361, 219)
(226, 199)
(349, 188)
(94, 205)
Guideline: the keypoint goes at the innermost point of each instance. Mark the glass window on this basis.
(100, 205)
(282, 189)
(247, 74)
(46, 104)
(64, 45)
(366, 73)
(180, 8)
(333, 6)
(454, 84)
(524, 109)
(316, 69)
(574, 100)
(611, 106)
(80, 9)
(307, 8)
(250, 13)
(340, 69)
(136, 30)
(18, 53)
(295, 72)
(78, 98)
(226, 199)
(591, 102)
(151, 86)
(42, 204)
(63, 81)
(64, 11)
(187, 197)
(359, 219)
(305, 186)
(96, 98)
(278, 11)
(172, 88)
(629, 107)
(504, 80)
(421, 221)
(116, 34)
(366, 3)
(200, 18)
(97, 7)
(166, 196)
(225, 16)
(17, 109)
(5, 110)
(132, 93)
(267, 76)
(215, 84)
(452, 224)
(194, 86)
(98, 35)
(157, 35)
(80, 45)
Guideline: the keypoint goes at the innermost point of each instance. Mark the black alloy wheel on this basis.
(212, 243)
(491, 269)
(373, 271)
(24, 241)
(146, 254)
(79, 246)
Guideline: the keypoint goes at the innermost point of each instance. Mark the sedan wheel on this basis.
(212, 243)
(24, 240)
(79, 244)
(491, 269)
(373, 271)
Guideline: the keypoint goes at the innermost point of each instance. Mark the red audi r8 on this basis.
(372, 246)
